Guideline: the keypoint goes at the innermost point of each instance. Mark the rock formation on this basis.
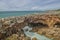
(46, 24)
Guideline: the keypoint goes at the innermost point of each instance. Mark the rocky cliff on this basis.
(45, 24)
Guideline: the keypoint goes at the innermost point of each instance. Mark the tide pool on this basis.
(33, 34)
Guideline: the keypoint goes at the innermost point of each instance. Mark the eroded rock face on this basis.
(49, 20)
(34, 38)
(46, 24)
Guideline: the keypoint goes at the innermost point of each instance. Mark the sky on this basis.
(28, 5)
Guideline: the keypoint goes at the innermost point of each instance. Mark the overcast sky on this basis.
(22, 5)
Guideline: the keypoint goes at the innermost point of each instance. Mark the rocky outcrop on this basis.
(49, 20)
(46, 24)
(34, 38)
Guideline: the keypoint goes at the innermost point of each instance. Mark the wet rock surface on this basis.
(46, 24)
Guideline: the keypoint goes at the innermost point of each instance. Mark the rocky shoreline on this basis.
(44, 24)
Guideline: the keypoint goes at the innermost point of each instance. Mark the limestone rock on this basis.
(46, 24)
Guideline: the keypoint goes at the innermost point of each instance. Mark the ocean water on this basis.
(30, 34)
(20, 13)
(16, 13)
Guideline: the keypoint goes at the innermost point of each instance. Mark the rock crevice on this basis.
(46, 24)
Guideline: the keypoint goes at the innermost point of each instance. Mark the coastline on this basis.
(43, 24)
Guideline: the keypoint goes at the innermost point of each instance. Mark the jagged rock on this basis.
(34, 38)
(46, 24)
(13, 37)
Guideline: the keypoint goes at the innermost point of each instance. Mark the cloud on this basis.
(18, 3)
(13, 4)
(9, 5)
(35, 8)
(2, 5)
(52, 6)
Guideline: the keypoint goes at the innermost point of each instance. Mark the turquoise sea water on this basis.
(16, 13)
